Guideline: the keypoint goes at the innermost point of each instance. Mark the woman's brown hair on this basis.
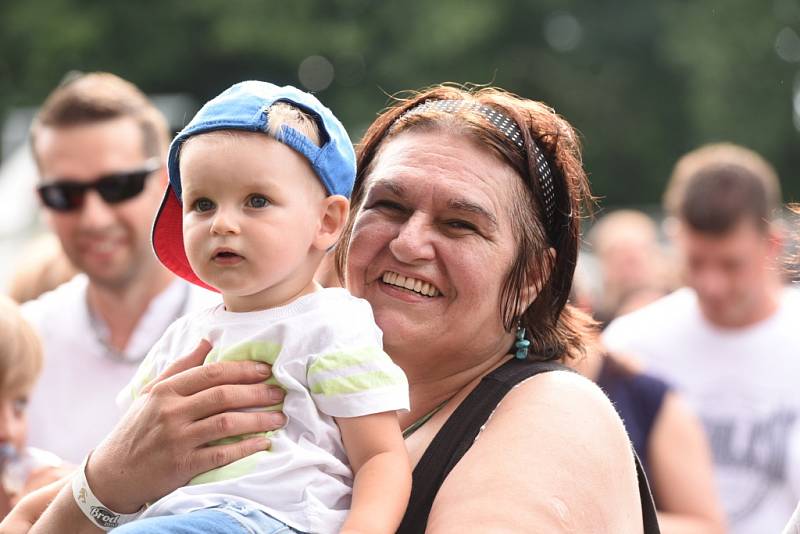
(546, 249)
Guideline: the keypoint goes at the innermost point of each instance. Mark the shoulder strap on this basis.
(459, 432)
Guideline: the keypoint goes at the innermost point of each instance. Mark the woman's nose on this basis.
(413, 240)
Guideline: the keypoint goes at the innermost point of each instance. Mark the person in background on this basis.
(793, 526)
(633, 265)
(668, 438)
(22, 468)
(42, 268)
(99, 145)
(463, 237)
(727, 341)
(666, 435)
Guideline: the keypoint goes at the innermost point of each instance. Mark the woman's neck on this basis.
(437, 386)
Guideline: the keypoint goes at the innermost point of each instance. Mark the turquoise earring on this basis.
(522, 344)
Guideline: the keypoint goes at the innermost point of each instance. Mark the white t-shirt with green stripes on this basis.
(326, 352)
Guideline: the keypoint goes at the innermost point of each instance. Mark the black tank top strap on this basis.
(459, 432)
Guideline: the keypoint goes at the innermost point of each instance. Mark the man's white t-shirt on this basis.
(793, 526)
(326, 353)
(743, 383)
(72, 406)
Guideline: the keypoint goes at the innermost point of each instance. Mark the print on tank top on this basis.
(750, 454)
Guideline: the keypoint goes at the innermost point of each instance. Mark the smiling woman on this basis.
(463, 237)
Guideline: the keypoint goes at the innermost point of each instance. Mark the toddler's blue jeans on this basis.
(232, 518)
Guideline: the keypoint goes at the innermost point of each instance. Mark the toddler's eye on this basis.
(257, 201)
(203, 204)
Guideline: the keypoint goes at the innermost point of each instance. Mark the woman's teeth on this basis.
(412, 284)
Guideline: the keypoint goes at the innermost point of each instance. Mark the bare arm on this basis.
(382, 482)
(160, 443)
(682, 474)
(553, 458)
(29, 508)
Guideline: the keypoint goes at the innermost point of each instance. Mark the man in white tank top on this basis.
(728, 340)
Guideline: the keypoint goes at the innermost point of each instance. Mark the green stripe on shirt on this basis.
(335, 361)
(344, 385)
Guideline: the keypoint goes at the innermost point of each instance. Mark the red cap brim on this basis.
(168, 239)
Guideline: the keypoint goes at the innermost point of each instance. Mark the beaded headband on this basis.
(511, 130)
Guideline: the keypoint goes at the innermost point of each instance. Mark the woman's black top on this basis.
(460, 431)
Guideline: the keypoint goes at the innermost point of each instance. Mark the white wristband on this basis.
(98, 513)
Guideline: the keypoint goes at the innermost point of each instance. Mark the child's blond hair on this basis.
(20, 349)
(281, 113)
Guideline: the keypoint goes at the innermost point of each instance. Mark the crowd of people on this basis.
(400, 337)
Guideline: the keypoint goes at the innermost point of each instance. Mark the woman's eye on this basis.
(257, 201)
(389, 205)
(462, 226)
(203, 204)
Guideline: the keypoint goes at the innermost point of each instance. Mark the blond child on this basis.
(258, 192)
(23, 468)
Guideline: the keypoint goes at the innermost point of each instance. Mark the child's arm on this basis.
(382, 483)
(28, 510)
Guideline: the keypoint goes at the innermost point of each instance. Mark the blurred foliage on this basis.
(643, 81)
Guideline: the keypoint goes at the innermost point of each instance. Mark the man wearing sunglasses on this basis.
(99, 145)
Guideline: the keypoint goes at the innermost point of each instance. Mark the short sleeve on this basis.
(357, 381)
(352, 376)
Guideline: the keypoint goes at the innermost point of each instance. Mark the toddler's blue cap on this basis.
(245, 106)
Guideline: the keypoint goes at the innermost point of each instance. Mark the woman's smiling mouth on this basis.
(409, 283)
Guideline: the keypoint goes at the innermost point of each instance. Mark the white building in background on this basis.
(20, 217)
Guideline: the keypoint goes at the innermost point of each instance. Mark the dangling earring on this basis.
(522, 344)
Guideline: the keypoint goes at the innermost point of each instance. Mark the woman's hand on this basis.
(160, 443)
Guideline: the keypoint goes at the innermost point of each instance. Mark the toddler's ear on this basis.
(333, 217)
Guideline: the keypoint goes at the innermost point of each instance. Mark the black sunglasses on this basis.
(65, 195)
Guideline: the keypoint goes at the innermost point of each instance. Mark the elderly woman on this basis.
(463, 238)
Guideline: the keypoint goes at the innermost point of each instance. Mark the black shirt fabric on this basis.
(460, 431)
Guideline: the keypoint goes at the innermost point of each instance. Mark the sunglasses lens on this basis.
(68, 196)
(121, 187)
(61, 197)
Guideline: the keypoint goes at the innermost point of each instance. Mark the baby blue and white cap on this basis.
(245, 106)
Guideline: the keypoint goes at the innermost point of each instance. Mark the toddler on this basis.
(258, 191)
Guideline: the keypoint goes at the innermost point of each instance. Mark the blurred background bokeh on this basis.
(643, 81)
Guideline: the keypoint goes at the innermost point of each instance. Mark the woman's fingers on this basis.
(191, 360)
(209, 458)
(167, 429)
(230, 397)
(196, 379)
(230, 424)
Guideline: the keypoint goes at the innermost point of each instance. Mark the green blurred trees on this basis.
(643, 81)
